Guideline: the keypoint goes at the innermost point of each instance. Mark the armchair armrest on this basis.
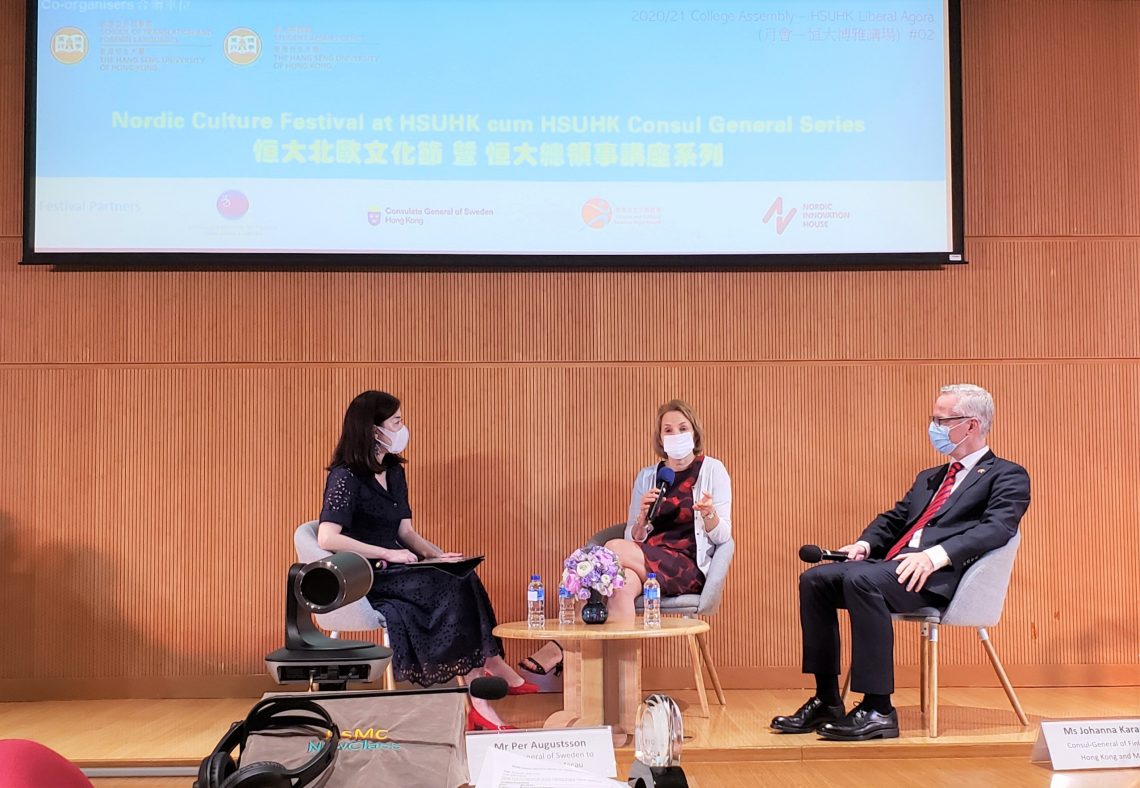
(616, 531)
(714, 580)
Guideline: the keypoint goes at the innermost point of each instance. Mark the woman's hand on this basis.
(641, 526)
(449, 556)
(647, 501)
(707, 511)
(401, 557)
(705, 506)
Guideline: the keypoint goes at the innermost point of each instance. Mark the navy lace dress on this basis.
(439, 625)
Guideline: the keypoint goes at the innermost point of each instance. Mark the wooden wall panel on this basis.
(1052, 120)
(157, 514)
(1023, 295)
(163, 432)
(17, 518)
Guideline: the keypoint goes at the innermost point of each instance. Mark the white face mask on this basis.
(393, 442)
(679, 445)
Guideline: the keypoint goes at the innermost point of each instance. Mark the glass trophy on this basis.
(657, 737)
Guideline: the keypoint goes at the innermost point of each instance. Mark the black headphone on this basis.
(219, 770)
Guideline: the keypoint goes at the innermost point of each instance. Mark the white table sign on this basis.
(503, 770)
(1089, 744)
(591, 749)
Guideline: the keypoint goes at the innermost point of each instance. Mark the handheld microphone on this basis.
(813, 554)
(665, 477)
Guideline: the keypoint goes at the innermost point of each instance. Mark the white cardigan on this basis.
(713, 479)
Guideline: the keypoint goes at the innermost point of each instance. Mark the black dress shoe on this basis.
(862, 724)
(809, 717)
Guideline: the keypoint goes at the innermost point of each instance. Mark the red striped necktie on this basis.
(936, 503)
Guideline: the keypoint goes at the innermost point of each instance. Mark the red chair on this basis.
(29, 764)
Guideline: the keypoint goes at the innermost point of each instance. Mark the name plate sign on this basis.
(591, 749)
(1089, 744)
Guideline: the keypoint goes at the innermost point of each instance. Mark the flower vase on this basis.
(595, 611)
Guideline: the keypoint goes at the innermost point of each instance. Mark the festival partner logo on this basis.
(242, 46)
(597, 213)
(375, 216)
(69, 45)
(233, 204)
(782, 219)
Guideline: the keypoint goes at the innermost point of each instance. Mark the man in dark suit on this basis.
(909, 557)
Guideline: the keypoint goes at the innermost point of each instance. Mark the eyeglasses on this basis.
(941, 421)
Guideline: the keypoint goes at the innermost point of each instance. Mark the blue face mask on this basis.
(940, 438)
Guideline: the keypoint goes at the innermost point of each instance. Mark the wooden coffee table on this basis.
(601, 668)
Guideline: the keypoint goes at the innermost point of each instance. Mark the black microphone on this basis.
(813, 554)
(665, 477)
(488, 688)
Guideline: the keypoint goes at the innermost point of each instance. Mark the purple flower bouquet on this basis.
(592, 568)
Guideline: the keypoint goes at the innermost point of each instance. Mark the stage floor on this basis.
(975, 723)
(908, 773)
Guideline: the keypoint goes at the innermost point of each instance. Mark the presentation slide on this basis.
(492, 127)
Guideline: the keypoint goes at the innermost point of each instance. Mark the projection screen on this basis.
(536, 132)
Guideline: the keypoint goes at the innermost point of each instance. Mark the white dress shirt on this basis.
(937, 554)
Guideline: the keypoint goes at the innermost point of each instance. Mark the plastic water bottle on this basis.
(566, 607)
(535, 603)
(652, 594)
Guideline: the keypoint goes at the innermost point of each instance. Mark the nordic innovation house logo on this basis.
(782, 219)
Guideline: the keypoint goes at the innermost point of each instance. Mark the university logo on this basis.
(69, 45)
(375, 216)
(242, 46)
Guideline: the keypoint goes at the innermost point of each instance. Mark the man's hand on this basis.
(913, 569)
(855, 552)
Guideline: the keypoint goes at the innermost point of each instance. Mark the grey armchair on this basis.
(978, 603)
(705, 603)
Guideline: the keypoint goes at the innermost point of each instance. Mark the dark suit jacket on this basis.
(981, 515)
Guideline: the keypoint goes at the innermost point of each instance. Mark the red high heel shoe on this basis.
(526, 688)
(477, 722)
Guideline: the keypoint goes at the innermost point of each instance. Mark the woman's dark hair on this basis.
(356, 449)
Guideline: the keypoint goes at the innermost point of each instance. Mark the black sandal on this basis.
(538, 669)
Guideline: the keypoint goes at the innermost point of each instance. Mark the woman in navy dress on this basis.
(439, 624)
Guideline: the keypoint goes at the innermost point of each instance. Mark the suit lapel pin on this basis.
(981, 470)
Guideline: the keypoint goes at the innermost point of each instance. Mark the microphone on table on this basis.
(813, 554)
(665, 477)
